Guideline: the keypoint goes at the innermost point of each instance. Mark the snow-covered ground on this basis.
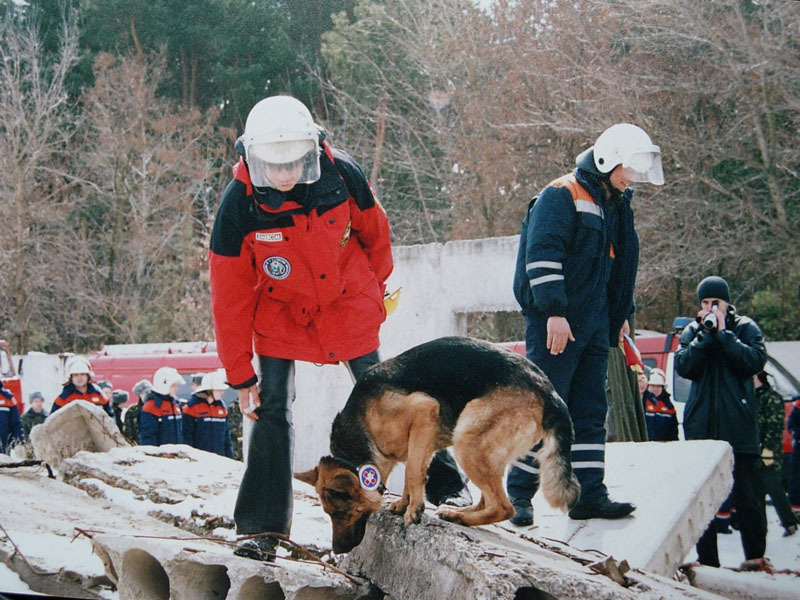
(40, 514)
(782, 552)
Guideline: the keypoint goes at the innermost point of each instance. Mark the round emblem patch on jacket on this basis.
(277, 267)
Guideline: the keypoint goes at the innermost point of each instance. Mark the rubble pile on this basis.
(145, 522)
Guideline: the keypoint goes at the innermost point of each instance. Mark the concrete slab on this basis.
(436, 559)
(677, 488)
(741, 585)
(143, 557)
(79, 425)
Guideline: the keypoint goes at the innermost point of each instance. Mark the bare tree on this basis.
(529, 84)
(36, 126)
(135, 262)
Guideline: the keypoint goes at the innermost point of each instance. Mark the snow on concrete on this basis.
(80, 425)
(676, 487)
(181, 483)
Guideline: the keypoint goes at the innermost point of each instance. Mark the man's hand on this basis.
(626, 330)
(720, 317)
(558, 334)
(249, 401)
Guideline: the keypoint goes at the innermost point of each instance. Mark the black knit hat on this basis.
(713, 287)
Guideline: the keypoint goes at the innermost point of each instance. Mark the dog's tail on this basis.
(559, 484)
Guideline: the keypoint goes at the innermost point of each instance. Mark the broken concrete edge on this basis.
(63, 582)
(478, 563)
(740, 585)
(199, 569)
(695, 514)
(79, 425)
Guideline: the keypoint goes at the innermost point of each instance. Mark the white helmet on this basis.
(79, 364)
(164, 378)
(627, 145)
(657, 377)
(212, 381)
(280, 131)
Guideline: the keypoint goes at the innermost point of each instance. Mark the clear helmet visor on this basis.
(282, 165)
(644, 167)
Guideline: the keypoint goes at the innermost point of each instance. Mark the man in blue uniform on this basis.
(660, 415)
(574, 280)
(205, 418)
(11, 431)
(160, 418)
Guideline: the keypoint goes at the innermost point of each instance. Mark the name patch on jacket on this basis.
(275, 236)
(277, 267)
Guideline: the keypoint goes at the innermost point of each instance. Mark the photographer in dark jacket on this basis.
(720, 352)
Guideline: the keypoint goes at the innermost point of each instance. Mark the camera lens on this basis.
(710, 322)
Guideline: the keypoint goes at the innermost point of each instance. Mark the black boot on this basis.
(523, 512)
(259, 548)
(601, 508)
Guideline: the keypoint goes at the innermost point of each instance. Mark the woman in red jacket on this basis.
(300, 253)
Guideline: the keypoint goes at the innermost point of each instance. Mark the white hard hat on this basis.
(281, 131)
(79, 364)
(212, 381)
(164, 378)
(630, 146)
(657, 377)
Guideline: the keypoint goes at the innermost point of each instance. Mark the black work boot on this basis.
(259, 548)
(523, 512)
(601, 508)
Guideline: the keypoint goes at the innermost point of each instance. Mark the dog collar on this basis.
(370, 478)
(368, 475)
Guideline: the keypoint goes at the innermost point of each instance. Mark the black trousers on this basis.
(748, 498)
(264, 502)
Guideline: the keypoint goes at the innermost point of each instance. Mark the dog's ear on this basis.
(342, 483)
(309, 477)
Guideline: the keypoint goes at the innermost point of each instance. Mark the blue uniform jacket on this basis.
(660, 417)
(93, 395)
(578, 259)
(205, 426)
(10, 423)
(160, 421)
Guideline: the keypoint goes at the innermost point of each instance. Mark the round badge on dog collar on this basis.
(369, 478)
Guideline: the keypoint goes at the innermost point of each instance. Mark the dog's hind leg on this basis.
(490, 433)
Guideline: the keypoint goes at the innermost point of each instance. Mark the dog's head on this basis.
(346, 502)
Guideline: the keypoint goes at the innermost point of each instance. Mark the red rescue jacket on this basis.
(299, 275)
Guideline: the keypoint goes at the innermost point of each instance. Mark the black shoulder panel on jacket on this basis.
(228, 235)
(354, 178)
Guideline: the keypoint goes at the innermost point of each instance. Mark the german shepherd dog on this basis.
(491, 404)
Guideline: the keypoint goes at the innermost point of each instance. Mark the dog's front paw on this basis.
(414, 514)
(398, 507)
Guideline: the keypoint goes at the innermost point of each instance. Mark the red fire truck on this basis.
(126, 364)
